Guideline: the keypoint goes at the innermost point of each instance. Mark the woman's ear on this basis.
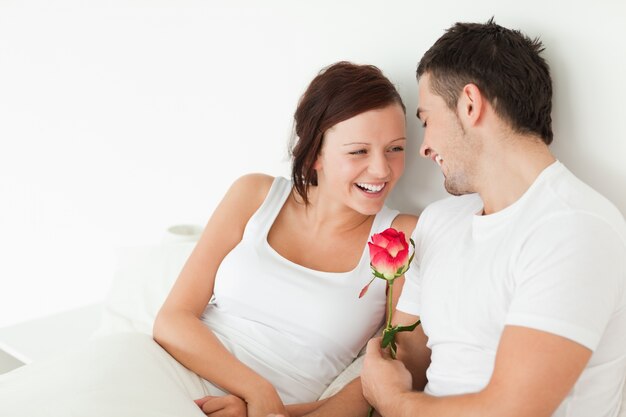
(318, 163)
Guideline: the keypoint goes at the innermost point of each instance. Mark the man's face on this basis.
(446, 142)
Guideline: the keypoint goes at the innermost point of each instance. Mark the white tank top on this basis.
(297, 327)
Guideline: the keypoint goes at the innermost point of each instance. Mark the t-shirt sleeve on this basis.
(569, 278)
(409, 299)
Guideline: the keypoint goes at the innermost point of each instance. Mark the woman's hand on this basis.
(224, 406)
(264, 403)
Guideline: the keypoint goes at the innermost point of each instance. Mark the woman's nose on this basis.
(379, 166)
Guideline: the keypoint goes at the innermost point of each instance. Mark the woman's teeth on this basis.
(370, 188)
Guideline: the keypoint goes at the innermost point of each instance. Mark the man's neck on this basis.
(509, 168)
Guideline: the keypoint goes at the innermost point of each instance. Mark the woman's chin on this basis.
(371, 208)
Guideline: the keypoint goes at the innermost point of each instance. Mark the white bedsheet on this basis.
(125, 374)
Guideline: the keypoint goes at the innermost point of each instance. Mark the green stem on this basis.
(389, 302)
(387, 327)
(389, 315)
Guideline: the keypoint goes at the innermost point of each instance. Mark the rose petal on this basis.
(395, 246)
(395, 241)
(402, 258)
(385, 264)
(379, 239)
(374, 250)
(391, 233)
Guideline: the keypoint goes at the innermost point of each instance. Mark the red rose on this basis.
(389, 253)
(389, 258)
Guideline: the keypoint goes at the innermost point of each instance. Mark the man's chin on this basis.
(456, 190)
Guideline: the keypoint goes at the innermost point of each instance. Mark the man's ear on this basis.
(471, 104)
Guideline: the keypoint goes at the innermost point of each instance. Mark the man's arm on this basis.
(533, 373)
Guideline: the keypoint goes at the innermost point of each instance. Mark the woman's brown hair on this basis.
(339, 92)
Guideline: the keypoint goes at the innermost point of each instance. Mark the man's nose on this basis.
(424, 150)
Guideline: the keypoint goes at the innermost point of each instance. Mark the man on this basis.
(519, 279)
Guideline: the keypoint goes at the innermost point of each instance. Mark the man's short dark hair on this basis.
(504, 64)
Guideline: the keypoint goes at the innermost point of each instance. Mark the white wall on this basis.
(120, 118)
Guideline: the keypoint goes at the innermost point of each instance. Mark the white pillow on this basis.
(351, 372)
(143, 279)
(622, 412)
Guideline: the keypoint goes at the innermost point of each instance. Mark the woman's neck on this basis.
(324, 214)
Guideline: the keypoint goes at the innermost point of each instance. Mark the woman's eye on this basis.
(359, 152)
(397, 149)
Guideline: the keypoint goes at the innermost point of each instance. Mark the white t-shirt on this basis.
(555, 261)
(297, 327)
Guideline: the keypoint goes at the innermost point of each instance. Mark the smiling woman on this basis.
(339, 93)
(367, 151)
(242, 329)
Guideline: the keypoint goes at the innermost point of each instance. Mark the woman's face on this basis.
(362, 158)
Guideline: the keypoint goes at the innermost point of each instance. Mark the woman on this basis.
(349, 155)
(266, 311)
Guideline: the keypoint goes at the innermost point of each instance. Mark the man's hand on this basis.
(381, 377)
(225, 406)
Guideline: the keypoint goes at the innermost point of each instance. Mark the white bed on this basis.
(119, 371)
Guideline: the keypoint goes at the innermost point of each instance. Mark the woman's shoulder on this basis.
(248, 192)
(254, 186)
(405, 223)
(254, 181)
